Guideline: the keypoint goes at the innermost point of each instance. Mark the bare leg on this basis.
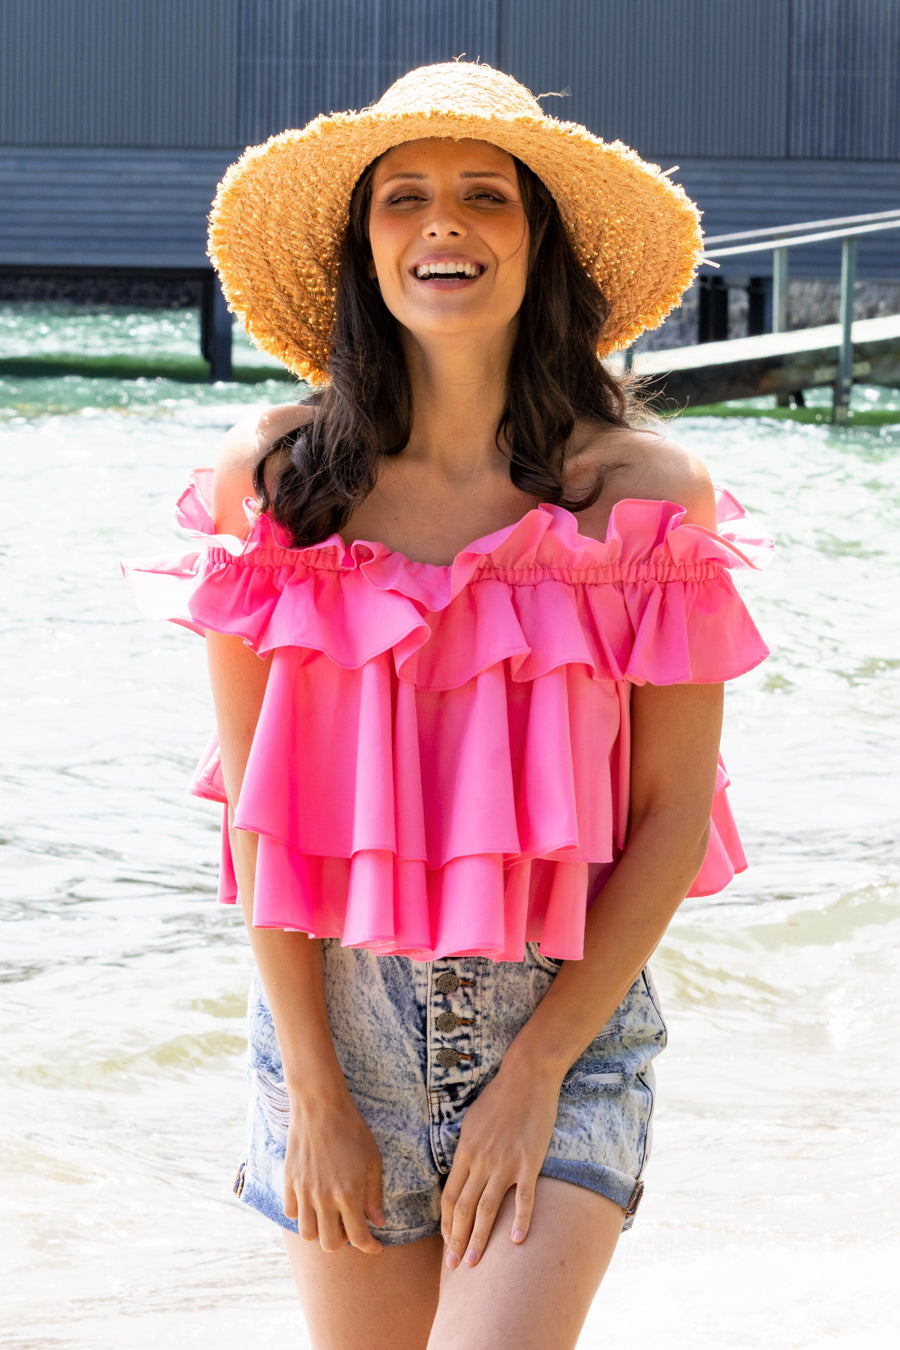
(534, 1296)
(357, 1302)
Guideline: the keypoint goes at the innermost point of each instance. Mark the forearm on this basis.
(623, 927)
(332, 1166)
(290, 966)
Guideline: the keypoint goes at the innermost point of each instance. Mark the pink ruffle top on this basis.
(443, 751)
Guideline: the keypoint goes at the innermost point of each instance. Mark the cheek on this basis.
(512, 246)
(384, 265)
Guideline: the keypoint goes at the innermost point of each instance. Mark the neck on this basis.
(458, 397)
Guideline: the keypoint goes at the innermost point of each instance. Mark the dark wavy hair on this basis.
(328, 466)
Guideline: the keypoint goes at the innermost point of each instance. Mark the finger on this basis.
(449, 1197)
(485, 1215)
(373, 1204)
(357, 1231)
(307, 1223)
(373, 1199)
(332, 1236)
(524, 1210)
(463, 1221)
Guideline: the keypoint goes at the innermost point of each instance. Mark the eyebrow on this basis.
(473, 173)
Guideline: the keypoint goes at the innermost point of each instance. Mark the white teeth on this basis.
(444, 269)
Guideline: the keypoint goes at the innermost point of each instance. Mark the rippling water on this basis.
(771, 1212)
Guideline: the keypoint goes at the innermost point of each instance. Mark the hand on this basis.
(503, 1142)
(332, 1176)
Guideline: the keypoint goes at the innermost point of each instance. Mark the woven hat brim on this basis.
(280, 213)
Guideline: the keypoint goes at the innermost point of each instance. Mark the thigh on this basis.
(534, 1296)
(356, 1302)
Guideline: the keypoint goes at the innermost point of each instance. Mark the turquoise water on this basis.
(771, 1210)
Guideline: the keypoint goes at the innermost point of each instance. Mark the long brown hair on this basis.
(554, 378)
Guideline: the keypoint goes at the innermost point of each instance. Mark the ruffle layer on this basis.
(443, 751)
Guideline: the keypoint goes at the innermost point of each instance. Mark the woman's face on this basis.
(449, 237)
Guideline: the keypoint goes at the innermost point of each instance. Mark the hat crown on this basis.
(460, 87)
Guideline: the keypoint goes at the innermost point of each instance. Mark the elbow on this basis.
(694, 841)
(676, 838)
(700, 848)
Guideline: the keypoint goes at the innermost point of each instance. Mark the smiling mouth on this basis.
(448, 271)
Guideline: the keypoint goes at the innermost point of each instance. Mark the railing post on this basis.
(215, 330)
(780, 305)
(844, 383)
(779, 290)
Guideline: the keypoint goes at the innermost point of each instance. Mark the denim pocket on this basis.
(586, 1080)
(653, 996)
(550, 964)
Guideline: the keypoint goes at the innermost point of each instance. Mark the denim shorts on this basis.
(417, 1040)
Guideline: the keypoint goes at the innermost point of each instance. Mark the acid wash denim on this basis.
(417, 1041)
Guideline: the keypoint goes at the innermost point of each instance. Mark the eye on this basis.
(404, 195)
(487, 194)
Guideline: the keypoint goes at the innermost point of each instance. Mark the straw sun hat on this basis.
(280, 213)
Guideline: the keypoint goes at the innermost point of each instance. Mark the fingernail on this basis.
(518, 1236)
(471, 1257)
(452, 1260)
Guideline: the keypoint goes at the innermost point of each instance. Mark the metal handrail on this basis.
(777, 239)
(801, 239)
(779, 231)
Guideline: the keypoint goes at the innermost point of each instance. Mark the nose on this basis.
(444, 220)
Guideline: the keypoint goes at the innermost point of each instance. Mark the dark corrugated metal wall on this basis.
(118, 116)
(735, 78)
(118, 72)
(713, 82)
(845, 79)
(298, 58)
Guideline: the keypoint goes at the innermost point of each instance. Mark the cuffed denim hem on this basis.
(260, 1198)
(618, 1187)
(269, 1205)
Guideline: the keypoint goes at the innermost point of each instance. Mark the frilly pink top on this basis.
(443, 750)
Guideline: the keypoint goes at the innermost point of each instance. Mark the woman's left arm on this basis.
(506, 1131)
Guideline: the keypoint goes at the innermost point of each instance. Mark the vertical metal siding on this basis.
(845, 79)
(302, 57)
(118, 72)
(696, 77)
(676, 78)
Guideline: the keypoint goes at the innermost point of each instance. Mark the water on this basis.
(771, 1211)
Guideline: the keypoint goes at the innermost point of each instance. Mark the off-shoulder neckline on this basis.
(484, 543)
(487, 543)
(647, 520)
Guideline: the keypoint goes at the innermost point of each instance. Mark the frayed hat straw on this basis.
(280, 212)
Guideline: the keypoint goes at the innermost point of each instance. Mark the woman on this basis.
(468, 783)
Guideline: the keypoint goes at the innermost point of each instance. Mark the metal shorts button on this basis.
(447, 1021)
(448, 1059)
(448, 982)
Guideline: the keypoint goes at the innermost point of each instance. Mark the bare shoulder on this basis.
(242, 449)
(646, 465)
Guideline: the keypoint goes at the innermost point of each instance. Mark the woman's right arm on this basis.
(333, 1166)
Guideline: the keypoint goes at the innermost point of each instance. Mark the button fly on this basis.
(447, 1021)
(448, 1059)
(447, 983)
